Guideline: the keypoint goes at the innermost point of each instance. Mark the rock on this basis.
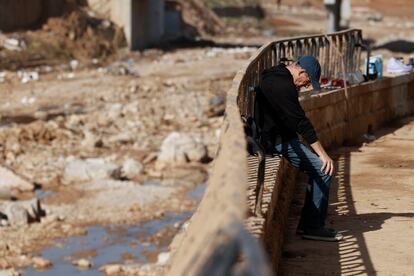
(150, 158)
(6, 194)
(91, 141)
(131, 169)
(9, 272)
(180, 148)
(88, 170)
(4, 223)
(115, 111)
(20, 213)
(16, 215)
(10, 180)
(83, 263)
(41, 263)
(216, 106)
(111, 269)
(122, 138)
(41, 115)
(163, 258)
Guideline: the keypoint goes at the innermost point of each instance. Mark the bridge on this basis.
(243, 221)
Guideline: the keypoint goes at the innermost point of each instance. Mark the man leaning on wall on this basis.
(283, 120)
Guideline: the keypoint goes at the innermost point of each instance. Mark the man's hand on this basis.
(328, 166)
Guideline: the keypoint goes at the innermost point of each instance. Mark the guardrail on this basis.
(329, 49)
(216, 242)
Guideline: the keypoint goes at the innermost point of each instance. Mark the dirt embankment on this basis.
(76, 35)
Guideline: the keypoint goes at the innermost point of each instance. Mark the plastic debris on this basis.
(26, 77)
(28, 100)
(3, 76)
(396, 66)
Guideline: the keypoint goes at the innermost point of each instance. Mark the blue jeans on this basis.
(315, 208)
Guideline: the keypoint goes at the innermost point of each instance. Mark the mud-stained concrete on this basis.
(371, 203)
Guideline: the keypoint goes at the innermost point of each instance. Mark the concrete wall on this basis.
(340, 118)
(142, 20)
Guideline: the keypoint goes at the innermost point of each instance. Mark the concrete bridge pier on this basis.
(142, 20)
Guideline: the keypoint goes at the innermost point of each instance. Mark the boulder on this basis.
(9, 180)
(88, 170)
(180, 148)
(41, 263)
(131, 169)
(20, 213)
(9, 272)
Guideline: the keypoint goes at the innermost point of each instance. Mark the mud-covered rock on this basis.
(9, 272)
(41, 263)
(131, 169)
(88, 170)
(83, 263)
(180, 148)
(9, 180)
(21, 213)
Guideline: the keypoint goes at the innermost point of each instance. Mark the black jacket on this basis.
(282, 113)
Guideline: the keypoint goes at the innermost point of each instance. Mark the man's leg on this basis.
(317, 191)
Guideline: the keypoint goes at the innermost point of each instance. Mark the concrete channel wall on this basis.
(224, 236)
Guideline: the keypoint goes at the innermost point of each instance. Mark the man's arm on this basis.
(327, 163)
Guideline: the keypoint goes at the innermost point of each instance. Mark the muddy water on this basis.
(107, 244)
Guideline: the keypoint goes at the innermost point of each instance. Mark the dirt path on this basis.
(372, 203)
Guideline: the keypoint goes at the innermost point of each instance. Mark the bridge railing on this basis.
(216, 241)
(330, 50)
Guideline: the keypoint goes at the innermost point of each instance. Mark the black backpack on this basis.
(253, 124)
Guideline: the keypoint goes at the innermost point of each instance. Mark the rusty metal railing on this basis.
(329, 49)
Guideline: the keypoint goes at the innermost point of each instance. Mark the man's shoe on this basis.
(322, 234)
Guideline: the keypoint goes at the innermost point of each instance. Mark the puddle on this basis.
(43, 194)
(106, 244)
(198, 192)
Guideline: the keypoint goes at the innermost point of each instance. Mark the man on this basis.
(283, 119)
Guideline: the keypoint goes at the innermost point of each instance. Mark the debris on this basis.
(396, 66)
(83, 263)
(9, 272)
(3, 76)
(26, 77)
(41, 263)
(180, 148)
(12, 44)
(20, 213)
(131, 169)
(88, 170)
(111, 269)
(91, 140)
(9, 180)
(5, 193)
(28, 100)
(74, 64)
(120, 69)
(163, 258)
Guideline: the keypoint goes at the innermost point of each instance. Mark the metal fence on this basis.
(215, 242)
(330, 50)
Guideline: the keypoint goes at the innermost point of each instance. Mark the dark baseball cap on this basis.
(313, 68)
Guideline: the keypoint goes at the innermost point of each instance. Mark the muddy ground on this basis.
(71, 123)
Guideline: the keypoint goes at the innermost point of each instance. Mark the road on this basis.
(371, 202)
